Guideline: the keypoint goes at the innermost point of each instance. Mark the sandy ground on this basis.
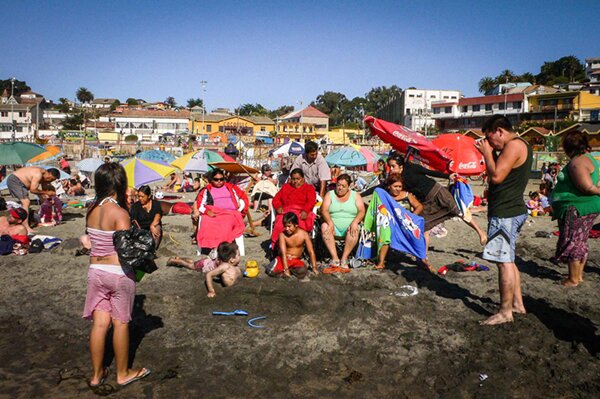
(344, 336)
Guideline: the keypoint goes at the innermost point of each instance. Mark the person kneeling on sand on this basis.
(225, 265)
(291, 246)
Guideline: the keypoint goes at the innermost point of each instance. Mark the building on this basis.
(579, 106)
(537, 137)
(149, 125)
(101, 103)
(305, 124)
(249, 129)
(469, 113)
(592, 74)
(592, 130)
(21, 113)
(417, 106)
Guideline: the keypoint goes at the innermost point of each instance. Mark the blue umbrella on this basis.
(89, 164)
(352, 156)
(156, 156)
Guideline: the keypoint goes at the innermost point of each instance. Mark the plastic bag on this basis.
(135, 248)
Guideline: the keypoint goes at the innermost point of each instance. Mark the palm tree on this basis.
(506, 76)
(486, 84)
(527, 77)
(84, 95)
(170, 101)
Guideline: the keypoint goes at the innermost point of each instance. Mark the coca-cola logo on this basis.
(468, 165)
(403, 137)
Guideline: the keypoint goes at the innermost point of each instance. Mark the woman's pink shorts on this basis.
(111, 293)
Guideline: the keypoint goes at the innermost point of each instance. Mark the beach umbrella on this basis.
(351, 156)
(156, 156)
(234, 167)
(291, 148)
(89, 164)
(404, 140)
(52, 152)
(18, 152)
(140, 171)
(195, 161)
(467, 160)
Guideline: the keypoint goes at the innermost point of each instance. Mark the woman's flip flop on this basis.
(144, 372)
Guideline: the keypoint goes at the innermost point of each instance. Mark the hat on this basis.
(18, 213)
(265, 167)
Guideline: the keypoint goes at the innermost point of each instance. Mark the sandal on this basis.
(334, 267)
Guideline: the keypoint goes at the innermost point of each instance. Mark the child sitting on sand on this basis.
(534, 206)
(291, 246)
(51, 210)
(225, 265)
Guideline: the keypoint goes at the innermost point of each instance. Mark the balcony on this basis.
(551, 108)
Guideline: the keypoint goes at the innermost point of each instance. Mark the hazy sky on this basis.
(277, 53)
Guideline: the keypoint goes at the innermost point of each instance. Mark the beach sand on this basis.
(343, 336)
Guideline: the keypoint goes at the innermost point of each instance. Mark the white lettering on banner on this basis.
(403, 137)
(468, 165)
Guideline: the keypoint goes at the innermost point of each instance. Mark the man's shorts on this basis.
(16, 188)
(502, 238)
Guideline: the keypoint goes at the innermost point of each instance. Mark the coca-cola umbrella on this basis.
(467, 160)
(403, 139)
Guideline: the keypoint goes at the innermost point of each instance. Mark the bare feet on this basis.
(173, 261)
(519, 309)
(483, 240)
(380, 266)
(570, 283)
(498, 318)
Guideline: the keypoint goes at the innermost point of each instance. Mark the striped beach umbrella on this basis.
(89, 164)
(198, 161)
(52, 152)
(18, 152)
(140, 171)
(352, 156)
(156, 156)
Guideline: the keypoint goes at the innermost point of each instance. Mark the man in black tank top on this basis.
(508, 161)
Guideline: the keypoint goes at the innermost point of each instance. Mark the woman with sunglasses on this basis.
(222, 206)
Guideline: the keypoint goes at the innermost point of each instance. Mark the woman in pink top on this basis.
(111, 287)
(222, 206)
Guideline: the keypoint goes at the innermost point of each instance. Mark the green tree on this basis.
(132, 101)
(252, 110)
(115, 104)
(193, 102)
(564, 70)
(73, 121)
(20, 86)
(63, 105)
(170, 101)
(377, 97)
(331, 103)
(486, 84)
(84, 95)
(284, 109)
(506, 76)
(527, 77)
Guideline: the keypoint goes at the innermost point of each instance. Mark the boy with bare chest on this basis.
(291, 246)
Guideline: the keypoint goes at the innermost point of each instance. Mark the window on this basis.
(453, 97)
(465, 108)
(407, 111)
(517, 104)
(476, 108)
(263, 129)
(436, 111)
(447, 110)
(446, 97)
(411, 95)
(4, 114)
(22, 114)
(419, 95)
(488, 107)
(500, 105)
(432, 96)
(208, 128)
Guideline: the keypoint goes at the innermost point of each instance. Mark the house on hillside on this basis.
(149, 125)
(21, 114)
(306, 124)
(249, 129)
(537, 137)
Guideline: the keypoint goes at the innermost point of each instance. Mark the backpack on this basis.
(6, 245)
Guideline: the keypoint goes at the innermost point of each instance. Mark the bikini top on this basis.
(102, 240)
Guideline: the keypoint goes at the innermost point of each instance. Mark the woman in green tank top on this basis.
(576, 204)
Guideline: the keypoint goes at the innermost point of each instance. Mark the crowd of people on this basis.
(318, 206)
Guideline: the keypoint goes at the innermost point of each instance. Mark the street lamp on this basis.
(12, 108)
(203, 83)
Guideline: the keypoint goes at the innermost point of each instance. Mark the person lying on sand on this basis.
(225, 265)
(291, 246)
(11, 225)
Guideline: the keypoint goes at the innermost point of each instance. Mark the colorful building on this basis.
(247, 128)
(305, 124)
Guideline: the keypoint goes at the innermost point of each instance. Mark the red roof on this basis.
(312, 112)
(438, 105)
(491, 99)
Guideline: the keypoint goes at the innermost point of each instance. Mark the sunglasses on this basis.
(219, 179)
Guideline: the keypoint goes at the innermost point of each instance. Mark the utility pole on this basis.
(203, 84)
(12, 108)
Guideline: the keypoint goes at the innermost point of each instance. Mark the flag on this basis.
(395, 226)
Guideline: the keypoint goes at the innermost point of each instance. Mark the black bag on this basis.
(6, 245)
(36, 246)
(135, 248)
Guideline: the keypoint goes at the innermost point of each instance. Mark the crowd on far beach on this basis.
(320, 219)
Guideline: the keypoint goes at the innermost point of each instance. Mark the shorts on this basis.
(276, 266)
(111, 293)
(502, 238)
(206, 265)
(16, 188)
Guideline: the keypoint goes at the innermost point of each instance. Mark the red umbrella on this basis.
(403, 139)
(226, 158)
(467, 160)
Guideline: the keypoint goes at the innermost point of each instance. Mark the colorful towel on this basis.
(226, 226)
(463, 195)
(394, 225)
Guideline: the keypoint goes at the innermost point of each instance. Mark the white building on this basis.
(149, 125)
(100, 103)
(416, 106)
(24, 113)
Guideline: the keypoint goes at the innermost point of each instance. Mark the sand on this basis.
(343, 336)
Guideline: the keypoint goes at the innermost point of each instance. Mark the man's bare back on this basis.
(30, 174)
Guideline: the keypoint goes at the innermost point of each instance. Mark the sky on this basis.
(282, 53)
